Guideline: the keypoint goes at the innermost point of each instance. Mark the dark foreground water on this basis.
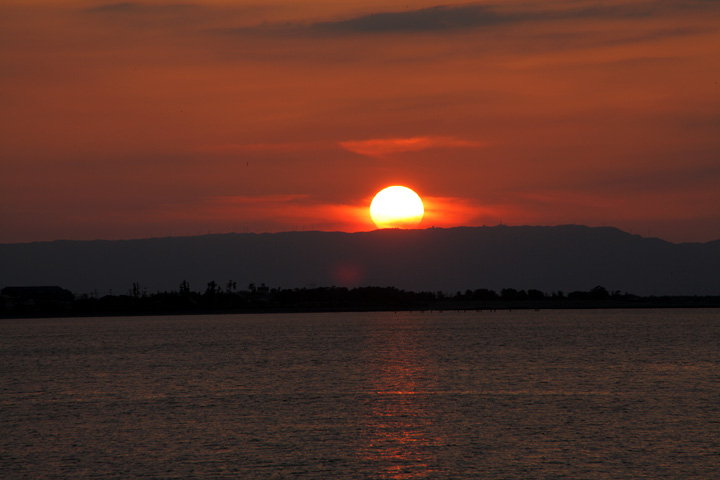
(511, 395)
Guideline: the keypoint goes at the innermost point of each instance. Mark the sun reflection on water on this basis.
(403, 428)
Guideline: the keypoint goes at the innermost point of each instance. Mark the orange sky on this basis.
(151, 118)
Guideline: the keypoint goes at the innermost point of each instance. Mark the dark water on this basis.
(511, 395)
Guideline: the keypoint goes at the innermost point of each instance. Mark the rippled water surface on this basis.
(490, 395)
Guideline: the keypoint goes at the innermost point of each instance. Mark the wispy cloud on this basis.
(379, 147)
(457, 18)
(182, 16)
(427, 19)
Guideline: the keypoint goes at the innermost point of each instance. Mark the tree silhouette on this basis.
(212, 288)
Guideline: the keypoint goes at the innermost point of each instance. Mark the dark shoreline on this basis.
(443, 306)
(54, 301)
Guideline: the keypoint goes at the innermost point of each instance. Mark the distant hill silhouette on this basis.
(564, 258)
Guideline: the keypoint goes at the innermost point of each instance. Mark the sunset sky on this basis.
(163, 118)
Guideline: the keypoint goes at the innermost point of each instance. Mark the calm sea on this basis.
(468, 395)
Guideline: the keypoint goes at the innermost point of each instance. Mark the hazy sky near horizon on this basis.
(155, 118)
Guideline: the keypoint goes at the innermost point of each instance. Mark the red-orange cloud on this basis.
(269, 213)
(379, 147)
(447, 212)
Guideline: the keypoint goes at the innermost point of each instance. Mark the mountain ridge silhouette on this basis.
(547, 258)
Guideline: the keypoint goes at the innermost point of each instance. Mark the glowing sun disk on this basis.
(396, 207)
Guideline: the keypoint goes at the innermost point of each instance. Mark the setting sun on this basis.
(396, 207)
